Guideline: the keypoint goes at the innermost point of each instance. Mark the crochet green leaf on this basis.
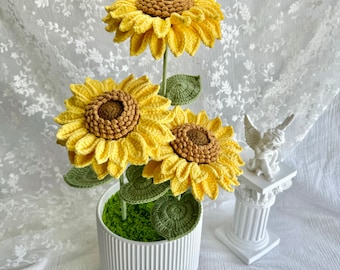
(84, 178)
(139, 189)
(182, 89)
(173, 218)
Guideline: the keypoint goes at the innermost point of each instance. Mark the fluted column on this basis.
(247, 235)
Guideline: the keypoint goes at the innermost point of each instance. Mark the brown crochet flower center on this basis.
(163, 8)
(195, 143)
(112, 115)
(110, 110)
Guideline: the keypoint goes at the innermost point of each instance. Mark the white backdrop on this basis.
(276, 57)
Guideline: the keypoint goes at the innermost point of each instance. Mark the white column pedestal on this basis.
(247, 235)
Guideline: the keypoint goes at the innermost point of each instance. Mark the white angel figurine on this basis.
(266, 147)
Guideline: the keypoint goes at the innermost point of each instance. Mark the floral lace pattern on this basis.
(275, 58)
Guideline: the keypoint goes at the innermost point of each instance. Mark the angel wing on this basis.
(253, 136)
(286, 122)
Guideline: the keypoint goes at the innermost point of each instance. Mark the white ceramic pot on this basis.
(118, 253)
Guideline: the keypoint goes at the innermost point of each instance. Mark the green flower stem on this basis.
(122, 202)
(165, 63)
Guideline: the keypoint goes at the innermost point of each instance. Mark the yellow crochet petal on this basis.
(195, 13)
(225, 183)
(103, 149)
(210, 187)
(169, 165)
(202, 118)
(204, 32)
(214, 125)
(212, 10)
(183, 170)
(122, 11)
(95, 88)
(161, 26)
(225, 132)
(109, 85)
(157, 130)
(230, 145)
(83, 161)
(160, 177)
(67, 117)
(164, 152)
(190, 116)
(75, 105)
(86, 145)
(159, 116)
(195, 172)
(232, 162)
(112, 24)
(180, 20)
(180, 117)
(150, 168)
(81, 92)
(178, 187)
(225, 169)
(176, 40)
(148, 95)
(116, 170)
(143, 23)
(157, 103)
(157, 46)
(147, 91)
(136, 147)
(139, 42)
(68, 129)
(215, 26)
(134, 86)
(128, 21)
(100, 169)
(212, 173)
(118, 152)
(74, 138)
(192, 40)
(198, 175)
(123, 84)
(198, 191)
(122, 36)
(219, 170)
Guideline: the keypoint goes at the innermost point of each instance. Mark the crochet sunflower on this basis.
(109, 125)
(202, 156)
(180, 24)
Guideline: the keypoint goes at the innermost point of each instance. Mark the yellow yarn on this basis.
(96, 132)
(184, 31)
(203, 178)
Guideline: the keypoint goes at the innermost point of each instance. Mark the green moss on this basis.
(136, 227)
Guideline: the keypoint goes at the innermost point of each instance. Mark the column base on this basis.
(247, 252)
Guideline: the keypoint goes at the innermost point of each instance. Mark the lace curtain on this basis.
(275, 58)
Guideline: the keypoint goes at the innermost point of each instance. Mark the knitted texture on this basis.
(112, 115)
(182, 89)
(163, 8)
(173, 218)
(84, 178)
(202, 157)
(108, 125)
(180, 24)
(139, 189)
(195, 143)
